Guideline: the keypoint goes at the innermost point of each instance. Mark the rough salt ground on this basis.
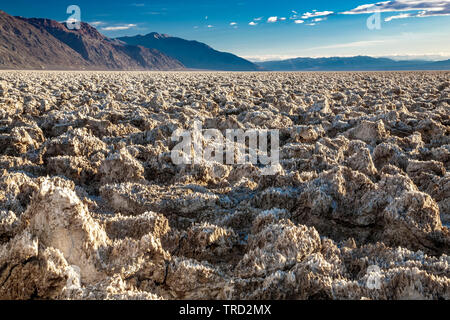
(92, 207)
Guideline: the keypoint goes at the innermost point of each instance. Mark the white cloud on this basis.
(400, 16)
(117, 28)
(315, 14)
(311, 24)
(283, 19)
(233, 23)
(96, 23)
(210, 26)
(258, 19)
(422, 8)
(294, 12)
(319, 19)
(299, 21)
(252, 23)
(272, 19)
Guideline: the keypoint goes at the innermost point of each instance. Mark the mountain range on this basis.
(37, 43)
(48, 44)
(359, 63)
(100, 51)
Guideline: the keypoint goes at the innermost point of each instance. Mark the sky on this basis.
(262, 30)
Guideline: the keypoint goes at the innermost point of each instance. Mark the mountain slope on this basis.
(25, 46)
(359, 63)
(101, 51)
(192, 54)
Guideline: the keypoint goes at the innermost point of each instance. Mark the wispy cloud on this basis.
(422, 8)
(96, 23)
(152, 13)
(118, 28)
(252, 24)
(400, 16)
(316, 13)
(356, 44)
(268, 57)
(233, 23)
(299, 21)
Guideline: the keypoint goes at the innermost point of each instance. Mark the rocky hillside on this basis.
(47, 44)
(99, 50)
(26, 47)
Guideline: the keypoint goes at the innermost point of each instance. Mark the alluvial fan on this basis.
(93, 205)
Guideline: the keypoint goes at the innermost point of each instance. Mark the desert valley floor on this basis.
(92, 206)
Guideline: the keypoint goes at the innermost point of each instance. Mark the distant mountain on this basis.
(441, 65)
(359, 63)
(193, 54)
(47, 44)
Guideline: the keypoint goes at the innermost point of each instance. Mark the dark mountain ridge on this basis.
(193, 54)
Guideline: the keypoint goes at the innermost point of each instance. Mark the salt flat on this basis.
(92, 205)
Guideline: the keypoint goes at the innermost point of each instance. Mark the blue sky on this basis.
(263, 29)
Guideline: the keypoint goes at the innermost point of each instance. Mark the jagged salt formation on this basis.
(92, 206)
